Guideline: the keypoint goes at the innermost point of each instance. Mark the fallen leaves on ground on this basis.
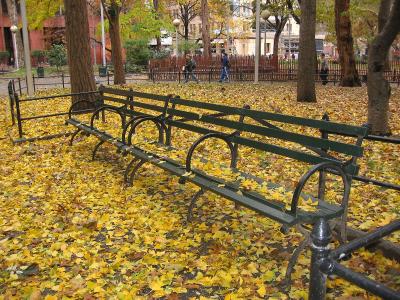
(70, 229)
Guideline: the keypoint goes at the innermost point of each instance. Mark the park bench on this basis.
(234, 126)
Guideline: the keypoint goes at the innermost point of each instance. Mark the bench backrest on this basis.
(259, 130)
(134, 103)
(201, 117)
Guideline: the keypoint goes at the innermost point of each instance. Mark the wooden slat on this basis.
(319, 124)
(305, 140)
(135, 104)
(130, 93)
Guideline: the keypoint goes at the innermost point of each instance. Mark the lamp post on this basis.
(257, 49)
(290, 46)
(265, 15)
(27, 51)
(176, 23)
(103, 36)
(14, 30)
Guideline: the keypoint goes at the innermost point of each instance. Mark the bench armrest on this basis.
(225, 137)
(71, 109)
(339, 170)
(104, 108)
(134, 122)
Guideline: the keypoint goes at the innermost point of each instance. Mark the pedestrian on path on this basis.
(190, 65)
(323, 73)
(225, 67)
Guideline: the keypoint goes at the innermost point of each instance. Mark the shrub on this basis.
(39, 55)
(137, 53)
(4, 55)
(57, 56)
(155, 54)
(187, 46)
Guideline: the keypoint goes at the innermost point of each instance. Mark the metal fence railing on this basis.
(63, 81)
(326, 262)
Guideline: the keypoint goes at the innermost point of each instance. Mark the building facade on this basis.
(52, 32)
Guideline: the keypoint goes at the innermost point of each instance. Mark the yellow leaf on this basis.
(262, 291)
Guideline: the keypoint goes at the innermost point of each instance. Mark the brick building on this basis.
(53, 32)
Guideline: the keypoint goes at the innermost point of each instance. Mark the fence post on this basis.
(209, 75)
(19, 86)
(11, 93)
(19, 121)
(62, 80)
(320, 236)
(179, 76)
(108, 78)
(34, 84)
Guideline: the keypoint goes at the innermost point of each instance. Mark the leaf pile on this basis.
(70, 229)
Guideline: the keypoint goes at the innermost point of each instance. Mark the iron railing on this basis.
(326, 262)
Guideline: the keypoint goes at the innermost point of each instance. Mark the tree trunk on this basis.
(344, 39)
(384, 11)
(279, 26)
(156, 9)
(205, 28)
(307, 53)
(78, 45)
(378, 87)
(116, 46)
(12, 13)
(186, 29)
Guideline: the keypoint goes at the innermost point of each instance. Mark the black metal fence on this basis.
(326, 262)
(170, 69)
(267, 75)
(18, 117)
(63, 81)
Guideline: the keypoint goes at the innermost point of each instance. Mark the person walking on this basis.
(225, 67)
(190, 65)
(323, 73)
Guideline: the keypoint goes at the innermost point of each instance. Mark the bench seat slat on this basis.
(253, 201)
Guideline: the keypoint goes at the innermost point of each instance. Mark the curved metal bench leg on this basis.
(292, 262)
(135, 169)
(193, 203)
(96, 148)
(128, 168)
(73, 136)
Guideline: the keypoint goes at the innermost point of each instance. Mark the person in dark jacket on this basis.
(323, 73)
(190, 65)
(225, 66)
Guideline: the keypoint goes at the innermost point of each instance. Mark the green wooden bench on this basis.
(235, 127)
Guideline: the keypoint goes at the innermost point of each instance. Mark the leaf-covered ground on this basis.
(69, 228)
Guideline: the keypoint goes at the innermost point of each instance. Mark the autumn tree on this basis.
(113, 10)
(78, 45)
(307, 53)
(188, 10)
(156, 5)
(345, 43)
(378, 87)
(280, 11)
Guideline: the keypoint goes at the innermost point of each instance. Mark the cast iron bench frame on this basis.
(164, 121)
